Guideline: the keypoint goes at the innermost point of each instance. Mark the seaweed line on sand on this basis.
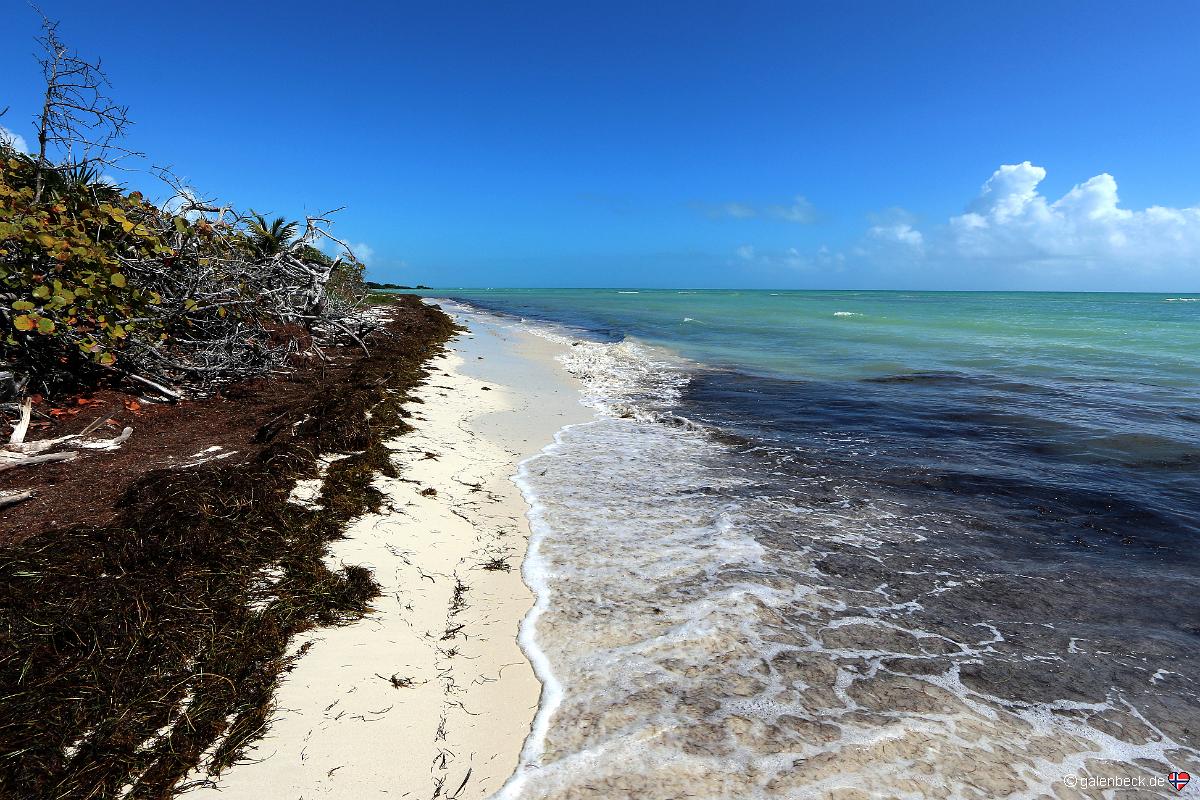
(135, 650)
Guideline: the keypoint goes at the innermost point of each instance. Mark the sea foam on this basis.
(730, 623)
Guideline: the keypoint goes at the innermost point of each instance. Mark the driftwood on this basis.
(20, 453)
(158, 387)
(234, 307)
(235, 298)
(22, 426)
(7, 498)
(13, 460)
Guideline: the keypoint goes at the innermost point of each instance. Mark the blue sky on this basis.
(789, 144)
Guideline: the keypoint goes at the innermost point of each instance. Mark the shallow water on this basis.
(947, 553)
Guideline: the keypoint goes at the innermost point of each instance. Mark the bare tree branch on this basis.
(78, 119)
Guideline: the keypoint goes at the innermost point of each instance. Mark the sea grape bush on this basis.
(97, 283)
(68, 297)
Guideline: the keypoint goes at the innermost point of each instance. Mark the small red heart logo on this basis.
(1179, 780)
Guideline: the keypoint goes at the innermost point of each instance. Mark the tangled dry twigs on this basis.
(232, 310)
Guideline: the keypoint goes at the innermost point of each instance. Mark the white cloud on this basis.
(322, 244)
(792, 258)
(895, 226)
(185, 197)
(1012, 236)
(735, 210)
(1012, 222)
(1011, 190)
(363, 252)
(900, 233)
(800, 211)
(13, 140)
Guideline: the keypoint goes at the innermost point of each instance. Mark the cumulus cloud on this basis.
(1012, 221)
(1012, 236)
(896, 226)
(799, 211)
(13, 140)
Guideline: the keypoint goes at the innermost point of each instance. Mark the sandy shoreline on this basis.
(430, 694)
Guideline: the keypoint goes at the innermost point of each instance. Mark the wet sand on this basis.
(430, 694)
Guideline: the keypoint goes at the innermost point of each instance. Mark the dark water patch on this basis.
(971, 577)
(1055, 562)
(1042, 467)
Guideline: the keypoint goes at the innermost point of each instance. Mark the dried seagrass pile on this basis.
(133, 650)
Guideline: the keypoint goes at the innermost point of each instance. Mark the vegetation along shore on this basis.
(168, 371)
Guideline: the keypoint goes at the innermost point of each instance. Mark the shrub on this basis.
(98, 282)
(70, 305)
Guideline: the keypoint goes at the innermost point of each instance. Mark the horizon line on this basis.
(769, 289)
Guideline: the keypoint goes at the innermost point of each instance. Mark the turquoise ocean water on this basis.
(832, 334)
(907, 544)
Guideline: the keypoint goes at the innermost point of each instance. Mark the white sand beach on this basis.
(429, 695)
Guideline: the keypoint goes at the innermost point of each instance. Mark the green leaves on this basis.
(92, 275)
(30, 322)
(62, 261)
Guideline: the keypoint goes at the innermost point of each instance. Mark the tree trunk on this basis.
(40, 183)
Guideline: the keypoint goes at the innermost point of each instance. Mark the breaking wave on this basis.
(757, 616)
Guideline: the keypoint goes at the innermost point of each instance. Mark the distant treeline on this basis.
(393, 286)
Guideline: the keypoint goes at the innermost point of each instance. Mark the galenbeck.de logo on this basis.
(1176, 780)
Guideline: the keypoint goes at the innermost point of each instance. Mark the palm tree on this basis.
(271, 239)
